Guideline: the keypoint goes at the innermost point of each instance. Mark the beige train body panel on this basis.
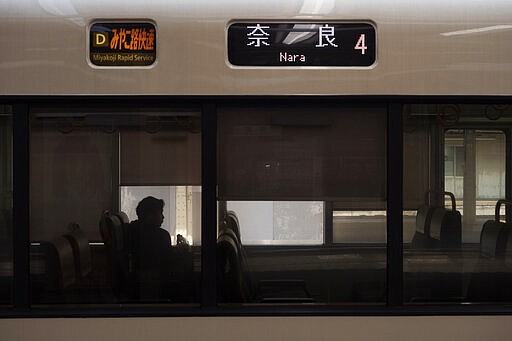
(433, 47)
(422, 328)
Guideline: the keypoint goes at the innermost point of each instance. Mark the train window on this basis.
(453, 160)
(456, 248)
(6, 198)
(114, 206)
(281, 171)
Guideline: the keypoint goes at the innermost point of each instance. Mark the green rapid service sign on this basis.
(122, 44)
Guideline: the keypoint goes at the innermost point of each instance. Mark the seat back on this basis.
(113, 233)
(508, 247)
(496, 236)
(232, 262)
(230, 272)
(61, 263)
(228, 269)
(437, 226)
(116, 228)
(123, 217)
(421, 238)
(493, 239)
(492, 280)
(233, 223)
(81, 250)
(446, 228)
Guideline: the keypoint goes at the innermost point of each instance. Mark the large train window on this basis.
(114, 206)
(6, 198)
(456, 236)
(286, 176)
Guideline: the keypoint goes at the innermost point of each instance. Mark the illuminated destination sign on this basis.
(122, 44)
(301, 44)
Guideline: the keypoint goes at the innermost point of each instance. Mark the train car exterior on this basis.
(427, 48)
(360, 150)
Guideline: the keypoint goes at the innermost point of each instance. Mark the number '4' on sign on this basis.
(360, 45)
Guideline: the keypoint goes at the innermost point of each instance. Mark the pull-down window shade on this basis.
(169, 156)
(302, 153)
(70, 178)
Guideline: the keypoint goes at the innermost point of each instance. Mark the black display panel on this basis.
(122, 44)
(301, 44)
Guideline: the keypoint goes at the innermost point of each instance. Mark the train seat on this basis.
(112, 230)
(232, 286)
(81, 250)
(421, 238)
(493, 238)
(123, 217)
(493, 278)
(446, 228)
(437, 226)
(60, 256)
(235, 284)
(508, 248)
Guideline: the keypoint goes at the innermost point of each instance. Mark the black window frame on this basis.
(394, 160)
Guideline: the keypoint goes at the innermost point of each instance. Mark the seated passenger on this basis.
(149, 250)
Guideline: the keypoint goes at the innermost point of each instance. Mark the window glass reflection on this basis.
(287, 178)
(108, 191)
(456, 250)
(280, 222)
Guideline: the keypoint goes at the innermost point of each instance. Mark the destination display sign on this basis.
(301, 44)
(122, 44)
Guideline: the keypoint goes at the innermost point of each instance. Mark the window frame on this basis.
(209, 307)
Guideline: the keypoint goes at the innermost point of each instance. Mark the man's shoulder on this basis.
(135, 224)
(163, 232)
(163, 235)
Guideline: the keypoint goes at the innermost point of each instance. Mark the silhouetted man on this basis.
(150, 250)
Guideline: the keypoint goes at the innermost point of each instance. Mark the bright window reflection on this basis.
(279, 222)
(359, 227)
(182, 210)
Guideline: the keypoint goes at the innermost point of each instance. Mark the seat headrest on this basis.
(445, 224)
(494, 238)
(423, 217)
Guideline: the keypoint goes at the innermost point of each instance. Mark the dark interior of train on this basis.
(301, 205)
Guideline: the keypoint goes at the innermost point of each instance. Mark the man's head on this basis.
(150, 211)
